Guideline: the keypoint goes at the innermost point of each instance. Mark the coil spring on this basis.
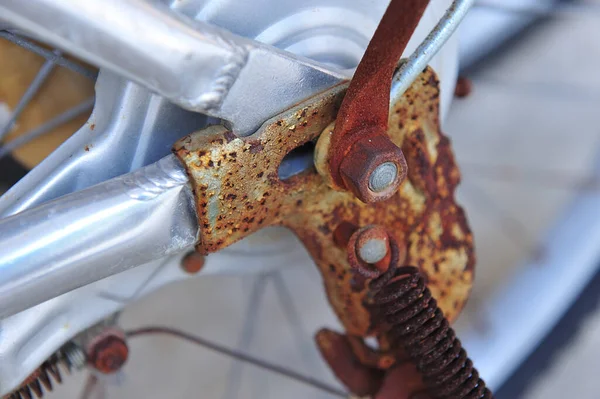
(69, 357)
(400, 297)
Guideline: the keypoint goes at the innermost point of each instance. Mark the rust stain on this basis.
(240, 194)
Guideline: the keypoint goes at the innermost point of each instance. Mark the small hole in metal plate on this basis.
(298, 160)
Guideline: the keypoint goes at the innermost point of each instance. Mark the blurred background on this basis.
(526, 138)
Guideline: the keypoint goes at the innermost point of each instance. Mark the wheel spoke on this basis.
(49, 54)
(48, 126)
(31, 91)
(153, 330)
(93, 389)
(247, 335)
(292, 315)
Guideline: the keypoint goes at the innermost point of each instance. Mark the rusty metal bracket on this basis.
(238, 192)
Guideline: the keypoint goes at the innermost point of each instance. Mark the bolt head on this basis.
(193, 262)
(109, 354)
(368, 251)
(373, 168)
(373, 250)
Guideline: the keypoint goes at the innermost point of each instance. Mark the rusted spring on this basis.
(401, 299)
(42, 379)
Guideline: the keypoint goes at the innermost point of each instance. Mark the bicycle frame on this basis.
(203, 69)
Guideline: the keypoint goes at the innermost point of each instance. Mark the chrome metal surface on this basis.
(195, 65)
(421, 57)
(91, 234)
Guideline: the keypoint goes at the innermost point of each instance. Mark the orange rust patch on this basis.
(238, 192)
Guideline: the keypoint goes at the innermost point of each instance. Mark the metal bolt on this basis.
(374, 168)
(368, 249)
(373, 250)
(193, 262)
(383, 177)
(109, 354)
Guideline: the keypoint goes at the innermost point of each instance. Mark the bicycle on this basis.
(194, 120)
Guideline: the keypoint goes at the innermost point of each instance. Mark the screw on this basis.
(193, 262)
(383, 176)
(109, 353)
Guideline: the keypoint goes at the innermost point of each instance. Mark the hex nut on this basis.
(364, 158)
(109, 354)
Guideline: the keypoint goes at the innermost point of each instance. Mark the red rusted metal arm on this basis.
(363, 116)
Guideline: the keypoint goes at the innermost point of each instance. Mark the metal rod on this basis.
(47, 127)
(247, 336)
(414, 65)
(94, 233)
(49, 55)
(189, 62)
(31, 91)
(292, 315)
(239, 356)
